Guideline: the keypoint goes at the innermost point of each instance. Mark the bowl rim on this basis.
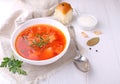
(39, 21)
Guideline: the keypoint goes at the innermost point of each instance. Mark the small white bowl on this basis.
(40, 21)
(87, 22)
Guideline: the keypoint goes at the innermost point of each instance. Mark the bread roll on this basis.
(64, 12)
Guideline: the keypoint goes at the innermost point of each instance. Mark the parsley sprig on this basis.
(13, 65)
(42, 42)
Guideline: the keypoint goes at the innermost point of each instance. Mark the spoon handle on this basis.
(73, 36)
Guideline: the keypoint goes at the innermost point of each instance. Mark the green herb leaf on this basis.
(13, 65)
(5, 61)
(20, 71)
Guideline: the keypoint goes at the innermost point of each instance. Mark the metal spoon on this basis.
(81, 62)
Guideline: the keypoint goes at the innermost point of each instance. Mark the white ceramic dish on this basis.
(40, 21)
(87, 22)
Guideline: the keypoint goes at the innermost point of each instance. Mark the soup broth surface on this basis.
(40, 42)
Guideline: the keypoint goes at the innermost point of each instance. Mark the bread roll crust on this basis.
(64, 7)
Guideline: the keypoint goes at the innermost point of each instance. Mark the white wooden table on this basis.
(105, 64)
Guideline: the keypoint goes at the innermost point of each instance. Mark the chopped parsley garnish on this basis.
(40, 41)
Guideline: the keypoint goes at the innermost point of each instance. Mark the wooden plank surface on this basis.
(105, 64)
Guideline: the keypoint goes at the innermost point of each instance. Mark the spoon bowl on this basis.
(82, 63)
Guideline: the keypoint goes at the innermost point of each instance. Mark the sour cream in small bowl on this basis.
(87, 22)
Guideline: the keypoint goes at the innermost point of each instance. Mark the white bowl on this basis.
(40, 21)
(87, 22)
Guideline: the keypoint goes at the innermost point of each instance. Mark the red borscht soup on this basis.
(40, 42)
